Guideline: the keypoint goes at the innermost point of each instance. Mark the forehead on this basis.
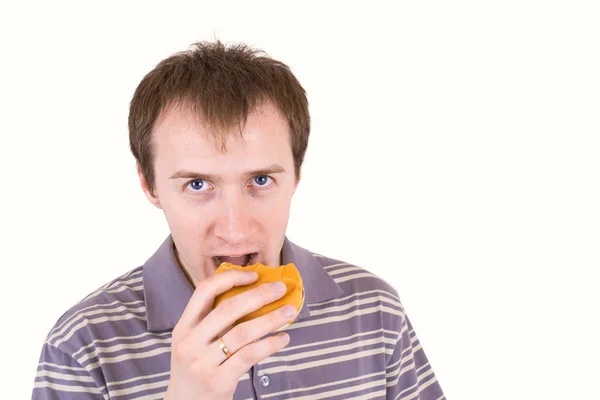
(182, 140)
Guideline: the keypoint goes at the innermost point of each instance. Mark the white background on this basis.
(454, 152)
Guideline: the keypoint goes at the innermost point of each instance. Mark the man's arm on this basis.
(60, 377)
(409, 374)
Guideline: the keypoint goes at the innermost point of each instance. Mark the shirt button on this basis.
(265, 380)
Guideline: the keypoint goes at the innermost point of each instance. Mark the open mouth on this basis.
(243, 260)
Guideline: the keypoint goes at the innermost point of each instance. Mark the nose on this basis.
(235, 223)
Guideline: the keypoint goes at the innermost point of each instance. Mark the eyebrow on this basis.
(270, 170)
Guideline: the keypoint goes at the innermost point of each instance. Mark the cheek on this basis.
(184, 216)
(275, 215)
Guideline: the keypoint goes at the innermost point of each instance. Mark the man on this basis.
(219, 134)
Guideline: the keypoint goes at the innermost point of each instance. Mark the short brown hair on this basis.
(222, 85)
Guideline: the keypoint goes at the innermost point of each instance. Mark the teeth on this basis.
(217, 260)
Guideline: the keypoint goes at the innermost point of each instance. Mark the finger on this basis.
(204, 296)
(242, 360)
(238, 306)
(250, 331)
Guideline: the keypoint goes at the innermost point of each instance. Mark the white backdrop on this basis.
(454, 152)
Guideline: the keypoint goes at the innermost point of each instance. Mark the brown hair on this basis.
(222, 85)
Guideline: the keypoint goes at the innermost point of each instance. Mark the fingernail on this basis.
(289, 311)
(284, 337)
(277, 287)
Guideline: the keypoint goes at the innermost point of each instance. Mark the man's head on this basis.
(219, 134)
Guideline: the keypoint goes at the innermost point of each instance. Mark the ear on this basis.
(151, 198)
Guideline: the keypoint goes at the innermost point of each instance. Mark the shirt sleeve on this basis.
(409, 374)
(60, 377)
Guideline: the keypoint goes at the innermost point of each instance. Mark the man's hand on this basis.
(199, 368)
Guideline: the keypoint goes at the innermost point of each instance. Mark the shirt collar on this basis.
(167, 290)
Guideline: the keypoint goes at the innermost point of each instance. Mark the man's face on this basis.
(224, 206)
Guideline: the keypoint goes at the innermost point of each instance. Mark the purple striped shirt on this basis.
(351, 340)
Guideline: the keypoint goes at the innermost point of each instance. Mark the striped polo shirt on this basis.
(351, 340)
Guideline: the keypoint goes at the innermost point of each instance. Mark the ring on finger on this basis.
(224, 347)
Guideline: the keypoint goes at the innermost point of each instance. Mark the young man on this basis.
(219, 134)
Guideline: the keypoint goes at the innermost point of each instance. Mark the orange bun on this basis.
(288, 274)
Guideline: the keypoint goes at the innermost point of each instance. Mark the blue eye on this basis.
(197, 185)
(262, 180)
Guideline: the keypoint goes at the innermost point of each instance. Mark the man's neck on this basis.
(192, 276)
